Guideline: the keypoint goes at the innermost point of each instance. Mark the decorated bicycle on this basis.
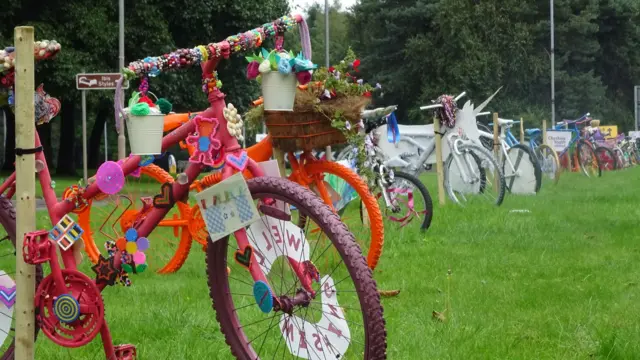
(469, 169)
(307, 127)
(293, 299)
(403, 196)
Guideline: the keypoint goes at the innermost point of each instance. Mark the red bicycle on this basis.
(277, 264)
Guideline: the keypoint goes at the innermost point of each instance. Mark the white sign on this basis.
(227, 207)
(558, 140)
(634, 134)
(260, 137)
(271, 168)
(329, 338)
(99, 81)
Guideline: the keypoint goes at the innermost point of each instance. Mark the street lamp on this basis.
(553, 79)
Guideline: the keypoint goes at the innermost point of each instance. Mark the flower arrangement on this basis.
(282, 62)
(339, 95)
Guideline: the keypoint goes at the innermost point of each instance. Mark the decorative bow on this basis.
(393, 132)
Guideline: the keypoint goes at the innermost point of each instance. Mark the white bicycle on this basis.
(470, 171)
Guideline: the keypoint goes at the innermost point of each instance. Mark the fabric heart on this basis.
(244, 258)
(238, 163)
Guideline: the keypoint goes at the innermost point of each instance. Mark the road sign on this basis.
(99, 81)
(86, 82)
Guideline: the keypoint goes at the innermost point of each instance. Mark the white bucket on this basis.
(278, 91)
(145, 134)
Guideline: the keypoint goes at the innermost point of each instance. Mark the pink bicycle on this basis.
(278, 266)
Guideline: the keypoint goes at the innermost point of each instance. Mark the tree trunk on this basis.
(97, 132)
(66, 158)
(9, 149)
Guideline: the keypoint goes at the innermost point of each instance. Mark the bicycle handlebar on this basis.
(201, 54)
(434, 106)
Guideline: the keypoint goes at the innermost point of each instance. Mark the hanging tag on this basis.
(227, 207)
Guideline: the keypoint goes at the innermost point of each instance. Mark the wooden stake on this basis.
(496, 150)
(279, 156)
(25, 190)
(544, 132)
(439, 164)
(522, 131)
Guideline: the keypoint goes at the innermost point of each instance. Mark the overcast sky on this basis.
(303, 4)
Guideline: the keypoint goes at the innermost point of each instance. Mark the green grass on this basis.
(560, 282)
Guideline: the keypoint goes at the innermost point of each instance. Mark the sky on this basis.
(303, 4)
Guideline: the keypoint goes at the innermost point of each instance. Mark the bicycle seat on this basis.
(531, 132)
(505, 122)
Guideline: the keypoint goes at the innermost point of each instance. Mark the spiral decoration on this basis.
(66, 308)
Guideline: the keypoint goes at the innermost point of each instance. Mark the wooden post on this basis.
(544, 132)
(496, 150)
(279, 156)
(439, 164)
(522, 131)
(25, 190)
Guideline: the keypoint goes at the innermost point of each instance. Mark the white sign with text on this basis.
(558, 140)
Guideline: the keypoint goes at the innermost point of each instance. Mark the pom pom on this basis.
(140, 109)
(147, 100)
(164, 105)
(283, 66)
(265, 66)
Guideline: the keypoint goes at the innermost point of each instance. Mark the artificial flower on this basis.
(367, 94)
(304, 77)
(326, 94)
(331, 69)
(356, 64)
(299, 63)
(337, 75)
(347, 125)
(265, 66)
(284, 67)
(360, 81)
(378, 86)
(252, 70)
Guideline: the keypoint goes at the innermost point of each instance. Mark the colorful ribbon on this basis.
(393, 132)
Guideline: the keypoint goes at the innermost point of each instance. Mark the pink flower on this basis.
(304, 77)
(252, 70)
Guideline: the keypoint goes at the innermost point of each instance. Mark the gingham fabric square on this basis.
(215, 222)
(245, 209)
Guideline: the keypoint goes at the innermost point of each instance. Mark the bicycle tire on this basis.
(486, 142)
(343, 155)
(184, 242)
(474, 150)
(540, 151)
(339, 235)
(8, 222)
(585, 145)
(370, 202)
(607, 158)
(619, 156)
(424, 192)
(533, 169)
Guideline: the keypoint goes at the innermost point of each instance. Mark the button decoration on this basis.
(110, 178)
(66, 308)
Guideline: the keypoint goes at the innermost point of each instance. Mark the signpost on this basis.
(86, 82)
(559, 140)
(636, 106)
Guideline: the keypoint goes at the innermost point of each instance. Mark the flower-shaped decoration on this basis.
(281, 61)
(204, 141)
(134, 248)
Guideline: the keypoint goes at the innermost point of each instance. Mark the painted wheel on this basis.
(587, 159)
(549, 162)
(521, 171)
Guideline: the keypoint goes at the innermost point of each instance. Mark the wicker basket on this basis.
(294, 131)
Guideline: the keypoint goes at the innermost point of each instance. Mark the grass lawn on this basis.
(560, 282)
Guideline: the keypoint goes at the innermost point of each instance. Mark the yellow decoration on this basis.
(131, 247)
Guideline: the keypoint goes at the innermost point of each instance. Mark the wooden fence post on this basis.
(522, 131)
(25, 190)
(439, 164)
(496, 150)
(544, 132)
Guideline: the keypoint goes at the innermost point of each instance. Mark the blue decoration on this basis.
(131, 234)
(393, 132)
(203, 143)
(66, 308)
(263, 295)
(146, 160)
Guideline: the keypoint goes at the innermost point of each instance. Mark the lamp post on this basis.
(553, 79)
(328, 154)
(121, 140)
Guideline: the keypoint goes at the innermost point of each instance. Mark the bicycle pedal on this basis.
(126, 352)
(36, 248)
